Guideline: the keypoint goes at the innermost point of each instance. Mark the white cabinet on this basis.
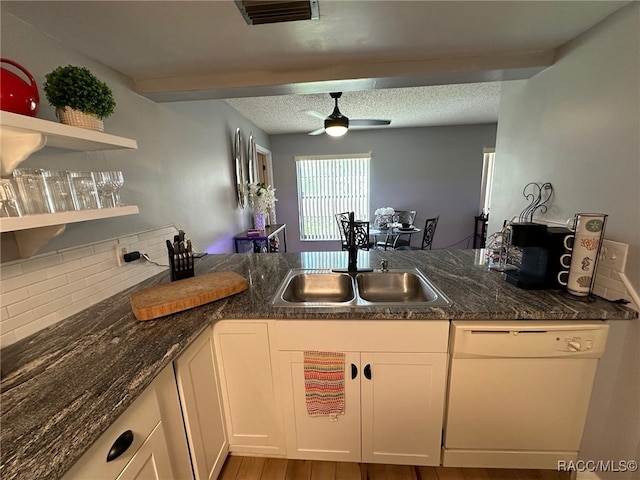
(201, 407)
(20, 136)
(145, 435)
(402, 407)
(246, 377)
(395, 377)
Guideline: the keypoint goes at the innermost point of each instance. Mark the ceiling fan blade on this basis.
(314, 114)
(368, 122)
(317, 132)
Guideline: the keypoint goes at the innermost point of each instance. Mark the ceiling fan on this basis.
(337, 124)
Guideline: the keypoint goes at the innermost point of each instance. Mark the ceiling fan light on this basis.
(336, 127)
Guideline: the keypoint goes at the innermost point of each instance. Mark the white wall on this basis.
(182, 172)
(436, 171)
(577, 125)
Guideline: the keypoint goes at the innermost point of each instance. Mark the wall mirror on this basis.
(251, 160)
(239, 167)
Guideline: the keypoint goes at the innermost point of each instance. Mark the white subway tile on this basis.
(52, 307)
(70, 288)
(77, 253)
(612, 284)
(6, 285)
(42, 290)
(30, 303)
(49, 284)
(105, 246)
(17, 321)
(10, 271)
(47, 261)
(7, 339)
(15, 296)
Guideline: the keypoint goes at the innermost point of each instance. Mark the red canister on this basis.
(17, 95)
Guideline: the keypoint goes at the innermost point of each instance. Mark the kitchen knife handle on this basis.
(122, 443)
(354, 371)
(367, 371)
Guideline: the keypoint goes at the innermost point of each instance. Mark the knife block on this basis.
(180, 263)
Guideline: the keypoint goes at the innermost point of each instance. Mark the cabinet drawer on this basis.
(141, 418)
(430, 336)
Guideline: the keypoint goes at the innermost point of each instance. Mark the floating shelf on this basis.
(33, 231)
(22, 135)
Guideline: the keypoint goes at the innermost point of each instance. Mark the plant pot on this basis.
(76, 118)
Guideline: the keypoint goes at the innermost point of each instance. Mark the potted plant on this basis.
(80, 98)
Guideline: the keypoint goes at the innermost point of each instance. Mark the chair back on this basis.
(406, 216)
(361, 232)
(429, 231)
(340, 217)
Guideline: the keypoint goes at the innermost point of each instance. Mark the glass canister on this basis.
(83, 190)
(59, 188)
(33, 190)
(11, 206)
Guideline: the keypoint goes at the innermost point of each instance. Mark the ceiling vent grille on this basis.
(258, 12)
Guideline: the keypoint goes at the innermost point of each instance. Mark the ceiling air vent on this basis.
(257, 12)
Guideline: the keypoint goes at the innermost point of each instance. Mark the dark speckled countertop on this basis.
(63, 386)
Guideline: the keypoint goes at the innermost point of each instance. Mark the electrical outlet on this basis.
(120, 251)
(613, 255)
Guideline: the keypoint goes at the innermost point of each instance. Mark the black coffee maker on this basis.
(542, 247)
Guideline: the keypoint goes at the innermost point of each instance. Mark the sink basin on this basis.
(323, 288)
(319, 288)
(392, 287)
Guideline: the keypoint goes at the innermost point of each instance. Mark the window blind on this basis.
(328, 185)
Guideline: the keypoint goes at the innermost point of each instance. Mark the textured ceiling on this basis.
(177, 50)
(405, 107)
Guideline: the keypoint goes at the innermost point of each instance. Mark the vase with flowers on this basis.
(262, 199)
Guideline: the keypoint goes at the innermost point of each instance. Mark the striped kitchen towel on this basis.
(324, 382)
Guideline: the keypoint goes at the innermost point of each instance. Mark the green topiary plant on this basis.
(78, 88)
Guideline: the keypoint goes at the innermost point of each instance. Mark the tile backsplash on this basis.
(44, 289)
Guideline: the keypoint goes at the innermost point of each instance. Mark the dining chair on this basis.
(361, 232)
(404, 216)
(340, 217)
(427, 236)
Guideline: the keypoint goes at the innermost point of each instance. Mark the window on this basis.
(327, 185)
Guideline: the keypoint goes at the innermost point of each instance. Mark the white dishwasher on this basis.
(519, 391)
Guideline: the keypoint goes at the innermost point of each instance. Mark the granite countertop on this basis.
(62, 387)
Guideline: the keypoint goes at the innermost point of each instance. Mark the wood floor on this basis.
(257, 468)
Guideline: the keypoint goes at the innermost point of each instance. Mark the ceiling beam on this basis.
(346, 77)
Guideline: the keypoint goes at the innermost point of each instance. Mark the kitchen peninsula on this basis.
(64, 386)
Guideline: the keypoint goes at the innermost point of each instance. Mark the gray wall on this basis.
(182, 172)
(436, 171)
(577, 124)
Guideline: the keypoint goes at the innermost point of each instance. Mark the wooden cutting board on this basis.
(161, 300)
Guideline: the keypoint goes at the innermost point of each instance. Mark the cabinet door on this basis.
(197, 384)
(402, 407)
(246, 376)
(334, 438)
(151, 461)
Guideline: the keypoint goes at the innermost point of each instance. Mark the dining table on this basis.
(392, 234)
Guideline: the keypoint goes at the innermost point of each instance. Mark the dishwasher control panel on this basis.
(527, 339)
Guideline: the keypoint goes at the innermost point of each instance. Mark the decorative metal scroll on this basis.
(539, 195)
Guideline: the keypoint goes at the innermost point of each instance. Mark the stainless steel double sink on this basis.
(324, 288)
